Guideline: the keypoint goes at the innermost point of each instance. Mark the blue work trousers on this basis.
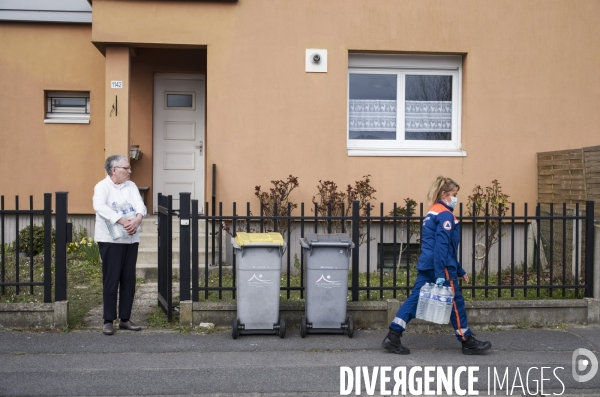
(408, 309)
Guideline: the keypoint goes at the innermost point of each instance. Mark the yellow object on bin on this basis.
(243, 238)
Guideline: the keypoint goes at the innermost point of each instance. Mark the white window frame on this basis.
(401, 65)
(66, 115)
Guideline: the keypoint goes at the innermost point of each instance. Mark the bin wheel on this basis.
(350, 325)
(281, 331)
(235, 330)
(303, 326)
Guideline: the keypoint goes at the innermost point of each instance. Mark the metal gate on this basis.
(165, 254)
(63, 233)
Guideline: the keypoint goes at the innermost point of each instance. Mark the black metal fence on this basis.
(20, 254)
(520, 260)
(165, 254)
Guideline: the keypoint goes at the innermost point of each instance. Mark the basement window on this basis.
(67, 107)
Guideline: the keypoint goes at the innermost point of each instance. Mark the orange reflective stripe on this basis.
(458, 326)
(438, 208)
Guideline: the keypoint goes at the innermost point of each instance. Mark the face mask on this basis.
(453, 202)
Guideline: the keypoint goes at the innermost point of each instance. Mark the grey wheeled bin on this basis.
(258, 283)
(327, 259)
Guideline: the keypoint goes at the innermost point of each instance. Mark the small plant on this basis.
(561, 325)
(522, 324)
(78, 234)
(406, 229)
(329, 198)
(490, 202)
(90, 250)
(492, 328)
(275, 202)
(38, 239)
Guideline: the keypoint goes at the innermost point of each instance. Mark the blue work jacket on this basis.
(439, 242)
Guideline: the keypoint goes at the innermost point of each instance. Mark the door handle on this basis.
(200, 146)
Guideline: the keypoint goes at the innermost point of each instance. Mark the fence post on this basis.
(355, 251)
(589, 249)
(60, 285)
(184, 246)
(47, 248)
(195, 250)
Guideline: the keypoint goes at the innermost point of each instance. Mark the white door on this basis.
(179, 136)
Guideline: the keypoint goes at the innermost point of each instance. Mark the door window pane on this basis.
(372, 106)
(428, 107)
(180, 100)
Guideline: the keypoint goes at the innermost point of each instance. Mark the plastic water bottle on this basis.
(439, 305)
(443, 304)
(116, 230)
(430, 302)
(449, 300)
(424, 299)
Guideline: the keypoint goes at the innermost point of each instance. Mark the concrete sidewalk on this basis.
(87, 363)
(166, 363)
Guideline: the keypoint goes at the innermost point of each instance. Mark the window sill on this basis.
(407, 152)
(65, 121)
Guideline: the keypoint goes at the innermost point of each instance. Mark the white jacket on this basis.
(105, 194)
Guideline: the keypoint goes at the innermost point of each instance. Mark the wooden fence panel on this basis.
(570, 176)
(591, 157)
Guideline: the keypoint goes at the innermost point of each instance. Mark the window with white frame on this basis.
(67, 107)
(404, 105)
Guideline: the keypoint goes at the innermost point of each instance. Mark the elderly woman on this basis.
(119, 211)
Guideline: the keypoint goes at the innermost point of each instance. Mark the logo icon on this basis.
(447, 225)
(259, 281)
(579, 364)
(325, 282)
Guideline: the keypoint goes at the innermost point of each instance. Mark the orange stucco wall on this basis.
(530, 84)
(37, 158)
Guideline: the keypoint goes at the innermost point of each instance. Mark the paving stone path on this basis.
(144, 306)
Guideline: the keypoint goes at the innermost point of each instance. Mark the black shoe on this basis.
(107, 329)
(130, 325)
(474, 346)
(392, 343)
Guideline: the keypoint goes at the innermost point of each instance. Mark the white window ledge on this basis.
(66, 121)
(407, 152)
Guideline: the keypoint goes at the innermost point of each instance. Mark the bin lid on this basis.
(331, 240)
(272, 238)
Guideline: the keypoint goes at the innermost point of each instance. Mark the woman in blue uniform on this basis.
(438, 264)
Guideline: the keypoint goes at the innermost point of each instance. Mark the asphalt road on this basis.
(148, 363)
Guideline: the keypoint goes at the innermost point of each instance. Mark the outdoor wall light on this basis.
(134, 152)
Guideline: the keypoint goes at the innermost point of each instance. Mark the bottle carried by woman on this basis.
(438, 264)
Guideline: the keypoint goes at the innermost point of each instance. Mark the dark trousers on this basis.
(118, 277)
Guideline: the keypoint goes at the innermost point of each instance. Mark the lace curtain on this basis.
(373, 116)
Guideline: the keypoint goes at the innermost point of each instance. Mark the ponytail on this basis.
(439, 185)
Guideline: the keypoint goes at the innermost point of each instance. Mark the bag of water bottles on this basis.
(435, 303)
(116, 230)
